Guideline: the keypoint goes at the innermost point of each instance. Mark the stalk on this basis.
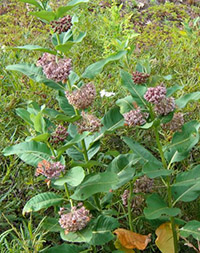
(67, 192)
(129, 205)
(169, 193)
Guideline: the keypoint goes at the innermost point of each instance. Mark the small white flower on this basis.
(104, 93)
(148, 22)
(140, 5)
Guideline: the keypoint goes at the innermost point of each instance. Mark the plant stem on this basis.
(129, 205)
(169, 193)
(67, 192)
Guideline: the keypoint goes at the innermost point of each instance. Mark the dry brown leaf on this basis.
(164, 240)
(131, 240)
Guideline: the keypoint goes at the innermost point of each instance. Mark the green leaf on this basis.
(37, 48)
(51, 225)
(64, 48)
(137, 91)
(102, 230)
(112, 120)
(44, 15)
(150, 165)
(186, 139)
(187, 185)
(42, 200)
(102, 182)
(173, 89)
(25, 115)
(65, 106)
(96, 68)
(73, 177)
(125, 104)
(41, 137)
(30, 152)
(156, 207)
(191, 228)
(84, 235)
(66, 248)
(182, 102)
(35, 73)
(33, 2)
(62, 10)
(122, 165)
(38, 122)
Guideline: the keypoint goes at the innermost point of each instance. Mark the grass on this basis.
(170, 46)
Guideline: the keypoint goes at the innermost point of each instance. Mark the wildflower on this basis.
(49, 170)
(165, 106)
(62, 25)
(143, 184)
(76, 220)
(139, 77)
(155, 94)
(57, 70)
(104, 93)
(135, 117)
(82, 98)
(88, 123)
(59, 135)
(176, 122)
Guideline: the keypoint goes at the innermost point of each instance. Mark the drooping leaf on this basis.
(122, 165)
(173, 89)
(42, 200)
(131, 240)
(73, 177)
(37, 48)
(182, 101)
(187, 185)
(31, 152)
(102, 182)
(44, 15)
(41, 137)
(66, 248)
(191, 228)
(96, 68)
(150, 165)
(33, 2)
(24, 114)
(125, 104)
(164, 240)
(101, 232)
(65, 106)
(156, 207)
(38, 122)
(84, 235)
(137, 91)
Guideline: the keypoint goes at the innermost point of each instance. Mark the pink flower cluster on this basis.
(88, 123)
(49, 170)
(55, 69)
(139, 77)
(76, 220)
(82, 98)
(59, 135)
(135, 117)
(62, 25)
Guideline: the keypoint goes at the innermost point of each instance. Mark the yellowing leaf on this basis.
(164, 240)
(122, 248)
(131, 240)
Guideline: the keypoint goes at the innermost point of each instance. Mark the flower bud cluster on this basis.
(88, 123)
(135, 117)
(62, 25)
(49, 170)
(155, 94)
(57, 70)
(176, 123)
(59, 135)
(139, 77)
(165, 106)
(76, 220)
(82, 98)
(143, 184)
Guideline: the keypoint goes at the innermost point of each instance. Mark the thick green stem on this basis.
(129, 206)
(67, 192)
(169, 192)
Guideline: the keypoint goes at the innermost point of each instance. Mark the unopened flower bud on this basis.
(139, 77)
(144, 185)
(88, 123)
(59, 135)
(62, 25)
(165, 106)
(155, 94)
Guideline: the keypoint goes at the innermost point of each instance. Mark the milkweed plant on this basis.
(65, 143)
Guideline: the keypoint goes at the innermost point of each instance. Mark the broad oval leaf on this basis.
(73, 177)
(44, 15)
(96, 68)
(84, 235)
(37, 48)
(42, 200)
(125, 104)
(33, 2)
(65, 106)
(25, 115)
(182, 102)
(112, 120)
(191, 228)
(41, 137)
(31, 152)
(66, 248)
(156, 207)
(102, 182)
